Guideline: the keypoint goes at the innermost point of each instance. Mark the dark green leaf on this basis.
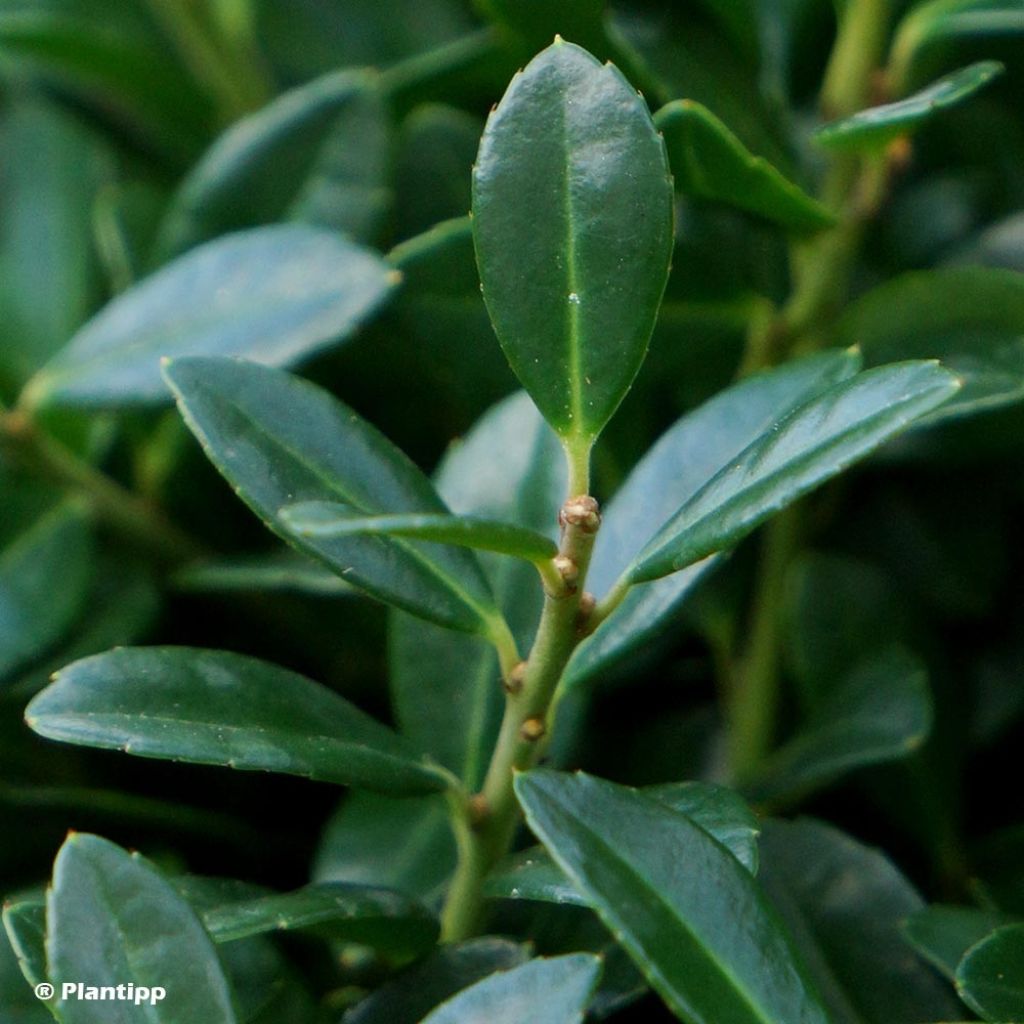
(878, 126)
(140, 931)
(709, 162)
(274, 294)
(282, 570)
(377, 918)
(553, 991)
(330, 520)
(44, 582)
(971, 319)
(572, 218)
(212, 707)
(990, 978)
(318, 153)
(943, 934)
(25, 923)
(19, 1002)
(805, 449)
(881, 711)
(703, 938)
(280, 440)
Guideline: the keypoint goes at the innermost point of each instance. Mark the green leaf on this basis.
(803, 450)
(280, 570)
(330, 520)
(970, 318)
(140, 931)
(44, 581)
(708, 161)
(551, 991)
(685, 457)
(702, 937)
(212, 707)
(25, 923)
(382, 920)
(276, 295)
(990, 978)
(280, 440)
(878, 126)
(572, 219)
(844, 904)
(881, 711)
(16, 996)
(943, 934)
(409, 996)
(318, 153)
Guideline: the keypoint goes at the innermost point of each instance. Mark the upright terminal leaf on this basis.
(944, 934)
(709, 162)
(212, 707)
(878, 126)
(140, 932)
(816, 442)
(990, 978)
(274, 295)
(280, 440)
(702, 936)
(554, 991)
(572, 219)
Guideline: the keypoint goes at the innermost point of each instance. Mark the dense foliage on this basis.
(683, 683)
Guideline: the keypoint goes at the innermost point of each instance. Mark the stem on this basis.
(118, 507)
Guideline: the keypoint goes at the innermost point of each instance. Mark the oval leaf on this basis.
(280, 440)
(140, 931)
(702, 936)
(553, 991)
(25, 923)
(572, 219)
(816, 442)
(943, 935)
(212, 707)
(990, 978)
(708, 161)
(275, 295)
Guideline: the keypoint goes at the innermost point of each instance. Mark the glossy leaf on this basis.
(330, 520)
(687, 455)
(709, 162)
(703, 938)
(878, 126)
(552, 991)
(990, 978)
(140, 932)
(25, 924)
(377, 918)
(805, 449)
(212, 707)
(275, 295)
(572, 219)
(881, 711)
(944, 934)
(44, 582)
(411, 995)
(971, 319)
(318, 153)
(280, 440)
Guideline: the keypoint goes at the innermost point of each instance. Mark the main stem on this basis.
(485, 824)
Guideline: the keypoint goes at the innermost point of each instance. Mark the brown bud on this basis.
(513, 682)
(479, 810)
(532, 729)
(582, 512)
(567, 569)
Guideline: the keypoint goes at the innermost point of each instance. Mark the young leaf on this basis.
(328, 520)
(212, 707)
(140, 932)
(709, 162)
(687, 455)
(944, 934)
(878, 126)
(702, 937)
(970, 318)
(44, 582)
(572, 219)
(882, 711)
(275, 295)
(805, 449)
(990, 978)
(25, 923)
(552, 991)
(280, 440)
(382, 920)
